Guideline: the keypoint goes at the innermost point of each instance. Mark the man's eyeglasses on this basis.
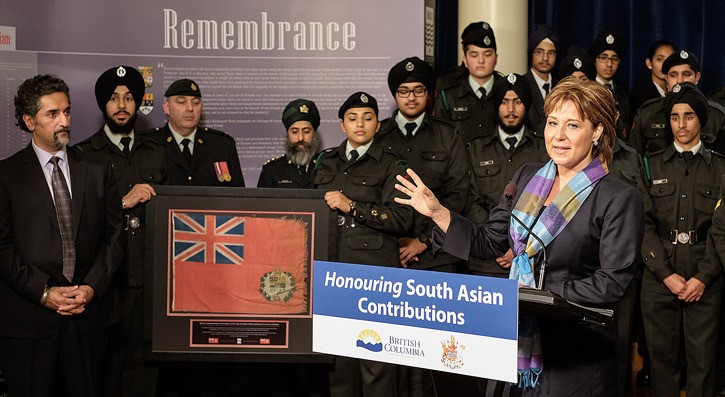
(540, 52)
(417, 91)
(604, 59)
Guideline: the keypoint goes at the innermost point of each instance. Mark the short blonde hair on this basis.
(593, 102)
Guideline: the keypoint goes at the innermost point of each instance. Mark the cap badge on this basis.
(676, 88)
(577, 63)
(684, 54)
(610, 39)
(486, 40)
(194, 87)
(512, 78)
(304, 109)
(121, 71)
(485, 26)
(409, 66)
(363, 98)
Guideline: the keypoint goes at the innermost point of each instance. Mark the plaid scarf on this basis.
(552, 221)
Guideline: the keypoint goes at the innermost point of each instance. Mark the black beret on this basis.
(411, 70)
(541, 33)
(607, 40)
(301, 110)
(513, 82)
(479, 34)
(680, 58)
(184, 87)
(358, 100)
(119, 75)
(576, 59)
(686, 93)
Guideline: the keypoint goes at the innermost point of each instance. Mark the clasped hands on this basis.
(68, 301)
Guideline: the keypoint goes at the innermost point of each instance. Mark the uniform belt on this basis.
(675, 236)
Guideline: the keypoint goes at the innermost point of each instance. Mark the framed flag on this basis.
(229, 272)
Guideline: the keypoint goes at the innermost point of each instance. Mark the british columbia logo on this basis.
(369, 340)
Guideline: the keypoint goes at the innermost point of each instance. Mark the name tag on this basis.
(659, 181)
(285, 181)
(658, 126)
(487, 162)
(460, 109)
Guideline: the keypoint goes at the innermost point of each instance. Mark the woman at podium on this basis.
(589, 224)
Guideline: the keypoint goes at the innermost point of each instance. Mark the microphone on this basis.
(509, 193)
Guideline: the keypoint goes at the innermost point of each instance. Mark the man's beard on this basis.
(61, 143)
(512, 129)
(302, 156)
(117, 128)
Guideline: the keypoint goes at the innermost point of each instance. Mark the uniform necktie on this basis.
(126, 143)
(512, 143)
(610, 86)
(687, 155)
(546, 87)
(353, 156)
(483, 93)
(61, 196)
(409, 128)
(302, 170)
(186, 151)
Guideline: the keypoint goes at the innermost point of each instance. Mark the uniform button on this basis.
(407, 150)
(662, 190)
(365, 183)
(510, 160)
(682, 219)
(488, 172)
(151, 177)
(709, 192)
(188, 177)
(684, 196)
(344, 173)
(365, 244)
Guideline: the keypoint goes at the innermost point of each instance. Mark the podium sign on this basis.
(446, 322)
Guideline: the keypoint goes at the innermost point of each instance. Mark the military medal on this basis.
(222, 171)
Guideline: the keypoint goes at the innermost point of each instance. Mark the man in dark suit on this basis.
(296, 168)
(195, 156)
(543, 47)
(60, 246)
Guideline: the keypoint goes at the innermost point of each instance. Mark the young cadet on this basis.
(359, 177)
(296, 168)
(648, 130)
(543, 46)
(432, 149)
(494, 159)
(464, 94)
(681, 295)
(656, 85)
(138, 164)
(577, 63)
(607, 52)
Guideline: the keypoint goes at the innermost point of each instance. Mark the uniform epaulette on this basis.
(273, 159)
(649, 102)
(322, 154)
(716, 153)
(714, 105)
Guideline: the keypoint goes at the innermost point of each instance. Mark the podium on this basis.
(548, 304)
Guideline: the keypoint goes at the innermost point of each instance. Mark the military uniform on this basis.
(367, 235)
(627, 165)
(536, 117)
(210, 146)
(437, 155)
(492, 166)
(280, 172)
(470, 115)
(684, 195)
(648, 130)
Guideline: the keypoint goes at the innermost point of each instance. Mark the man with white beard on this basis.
(295, 169)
